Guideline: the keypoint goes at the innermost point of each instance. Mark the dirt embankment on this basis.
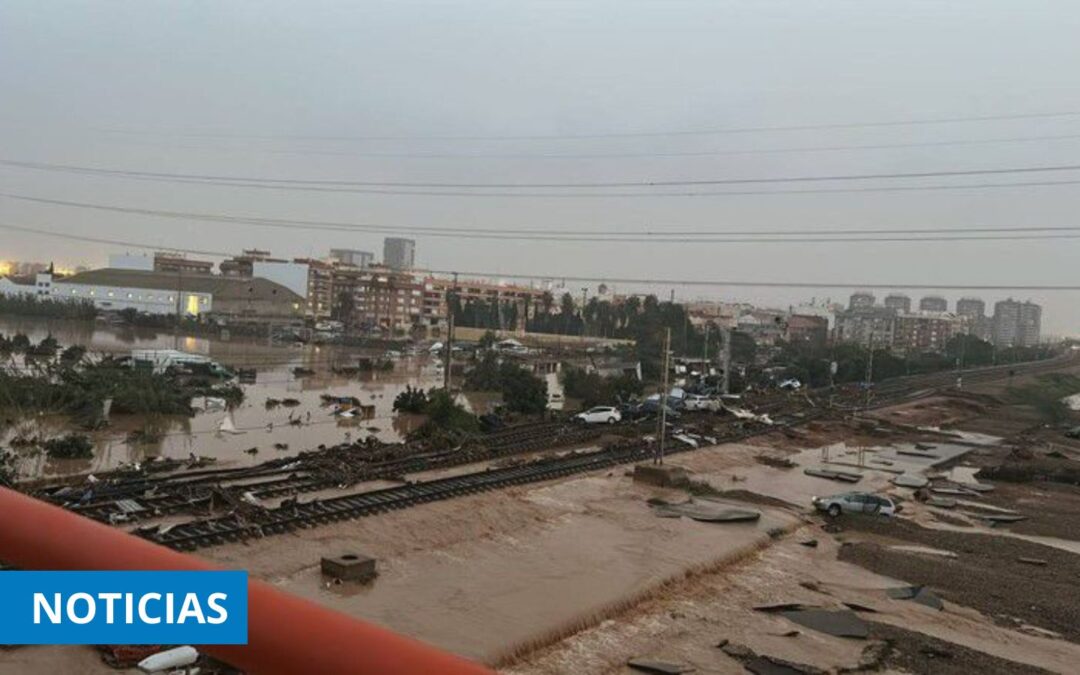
(921, 654)
(986, 575)
(1052, 509)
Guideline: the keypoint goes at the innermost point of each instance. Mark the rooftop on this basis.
(223, 288)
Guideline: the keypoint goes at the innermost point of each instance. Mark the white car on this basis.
(856, 502)
(698, 402)
(791, 383)
(599, 415)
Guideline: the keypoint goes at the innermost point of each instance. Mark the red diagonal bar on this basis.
(286, 635)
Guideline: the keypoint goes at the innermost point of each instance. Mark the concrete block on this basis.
(661, 476)
(349, 567)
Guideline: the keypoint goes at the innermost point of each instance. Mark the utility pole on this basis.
(869, 371)
(960, 362)
(179, 296)
(726, 387)
(662, 431)
(584, 325)
(451, 295)
(705, 350)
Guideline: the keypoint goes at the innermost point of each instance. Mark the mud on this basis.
(986, 574)
(1053, 509)
(921, 654)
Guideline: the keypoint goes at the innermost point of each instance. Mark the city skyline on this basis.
(639, 95)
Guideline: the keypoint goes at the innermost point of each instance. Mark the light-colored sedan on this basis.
(856, 502)
(694, 402)
(599, 415)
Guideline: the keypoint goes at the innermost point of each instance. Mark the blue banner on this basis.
(208, 608)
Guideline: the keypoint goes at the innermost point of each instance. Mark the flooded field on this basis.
(262, 432)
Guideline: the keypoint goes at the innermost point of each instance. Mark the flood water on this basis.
(301, 427)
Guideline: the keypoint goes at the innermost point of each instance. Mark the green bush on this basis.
(72, 446)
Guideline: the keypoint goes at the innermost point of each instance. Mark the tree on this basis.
(547, 301)
(484, 376)
(743, 347)
(488, 340)
(522, 391)
(594, 389)
(566, 311)
(975, 352)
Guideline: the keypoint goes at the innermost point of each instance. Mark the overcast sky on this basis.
(248, 88)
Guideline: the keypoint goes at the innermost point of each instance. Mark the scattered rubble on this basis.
(659, 667)
(842, 476)
(837, 622)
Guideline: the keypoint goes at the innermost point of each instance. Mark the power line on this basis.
(548, 234)
(628, 195)
(629, 134)
(244, 180)
(759, 284)
(628, 155)
(609, 279)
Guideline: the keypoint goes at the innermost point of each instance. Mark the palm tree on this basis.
(547, 301)
(567, 311)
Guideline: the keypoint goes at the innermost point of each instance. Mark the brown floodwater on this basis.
(601, 546)
(301, 427)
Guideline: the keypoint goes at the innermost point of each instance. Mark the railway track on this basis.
(186, 492)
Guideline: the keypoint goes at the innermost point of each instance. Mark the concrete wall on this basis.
(149, 300)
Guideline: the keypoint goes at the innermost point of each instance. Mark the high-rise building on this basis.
(898, 301)
(352, 257)
(1016, 324)
(972, 314)
(861, 300)
(866, 326)
(399, 254)
(918, 332)
(933, 303)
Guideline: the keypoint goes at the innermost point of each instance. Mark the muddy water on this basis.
(301, 427)
(484, 596)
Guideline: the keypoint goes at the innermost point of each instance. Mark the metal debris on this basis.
(129, 506)
(844, 476)
(659, 667)
(911, 480)
(994, 519)
(1033, 561)
(919, 594)
(917, 453)
(704, 511)
(941, 502)
(782, 607)
(770, 665)
(838, 622)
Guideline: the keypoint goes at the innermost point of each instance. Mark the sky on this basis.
(429, 92)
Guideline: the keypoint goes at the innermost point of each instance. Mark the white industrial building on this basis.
(153, 292)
